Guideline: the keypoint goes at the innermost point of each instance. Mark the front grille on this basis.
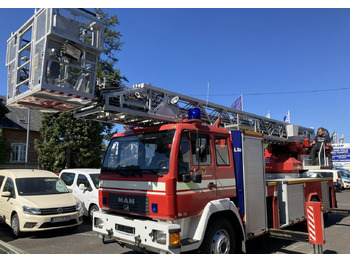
(57, 210)
(59, 224)
(129, 204)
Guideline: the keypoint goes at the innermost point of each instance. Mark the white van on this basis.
(84, 185)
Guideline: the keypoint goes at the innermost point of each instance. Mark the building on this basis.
(13, 122)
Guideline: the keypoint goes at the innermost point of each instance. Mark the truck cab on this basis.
(166, 173)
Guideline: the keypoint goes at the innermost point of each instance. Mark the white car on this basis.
(36, 200)
(83, 183)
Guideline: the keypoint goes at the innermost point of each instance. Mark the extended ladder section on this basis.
(145, 105)
(52, 65)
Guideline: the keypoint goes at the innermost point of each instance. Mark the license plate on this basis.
(125, 229)
(60, 219)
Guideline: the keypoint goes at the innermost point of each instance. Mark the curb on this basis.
(9, 249)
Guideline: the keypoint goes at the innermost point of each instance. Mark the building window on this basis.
(18, 152)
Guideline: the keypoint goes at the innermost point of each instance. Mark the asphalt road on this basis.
(84, 241)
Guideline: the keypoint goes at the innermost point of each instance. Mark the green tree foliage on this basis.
(69, 142)
(4, 149)
(112, 45)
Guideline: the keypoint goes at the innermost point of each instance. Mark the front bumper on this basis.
(137, 234)
(46, 222)
(346, 184)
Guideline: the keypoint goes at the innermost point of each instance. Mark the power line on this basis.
(281, 93)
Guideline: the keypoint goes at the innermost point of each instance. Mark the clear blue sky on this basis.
(260, 53)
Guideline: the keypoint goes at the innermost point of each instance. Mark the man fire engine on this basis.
(187, 175)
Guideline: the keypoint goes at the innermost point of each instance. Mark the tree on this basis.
(69, 142)
(4, 149)
(112, 45)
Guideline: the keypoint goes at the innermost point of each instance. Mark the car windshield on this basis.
(95, 179)
(139, 154)
(40, 186)
(327, 174)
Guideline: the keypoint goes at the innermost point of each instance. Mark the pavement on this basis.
(9, 249)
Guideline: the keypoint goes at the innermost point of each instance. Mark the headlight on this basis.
(78, 206)
(31, 210)
(98, 222)
(160, 237)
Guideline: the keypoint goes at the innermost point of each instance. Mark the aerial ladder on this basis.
(52, 64)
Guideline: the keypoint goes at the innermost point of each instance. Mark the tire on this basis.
(15, 226)
(219, 238)
(92, 209)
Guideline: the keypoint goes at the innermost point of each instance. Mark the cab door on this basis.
(7, 203)
(195, 157)
(83, 194)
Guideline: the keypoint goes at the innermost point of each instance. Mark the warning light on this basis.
(194, 114)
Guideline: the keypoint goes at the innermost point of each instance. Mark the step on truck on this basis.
(187, 174)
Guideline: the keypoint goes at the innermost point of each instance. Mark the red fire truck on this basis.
(187, 174)
(185, 186)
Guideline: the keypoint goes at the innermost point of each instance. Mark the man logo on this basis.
(126, 200)
(126, 208)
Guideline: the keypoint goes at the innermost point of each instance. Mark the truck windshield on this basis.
(139, 153)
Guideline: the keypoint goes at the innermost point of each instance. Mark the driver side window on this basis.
(82, 180)
(184, 158)
(9, 186)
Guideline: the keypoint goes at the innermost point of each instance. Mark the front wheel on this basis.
(15, 225)
(219, 238)
(93, 209)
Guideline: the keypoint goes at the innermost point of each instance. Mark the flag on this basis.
(287, 117)
(335, 138)
(268, 114)
(238, 104)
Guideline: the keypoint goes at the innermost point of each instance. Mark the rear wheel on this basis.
(15, 225)
(219, 238)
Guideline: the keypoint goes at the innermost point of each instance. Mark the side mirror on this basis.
(196, 178)
(82, 187)
(186, 177)
(6, 194)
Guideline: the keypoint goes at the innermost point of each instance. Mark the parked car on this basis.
(35, 200)
(345, 176)
(334, 173)
(84, 185)
(318, 174)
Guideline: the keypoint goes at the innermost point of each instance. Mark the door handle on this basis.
(211, 186)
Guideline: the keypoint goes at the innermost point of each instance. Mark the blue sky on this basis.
(278, 59)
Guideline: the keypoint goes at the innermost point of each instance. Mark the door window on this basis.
(203, 145)
(68, 178)
(221, 151)
(9, 186)
(82, 179)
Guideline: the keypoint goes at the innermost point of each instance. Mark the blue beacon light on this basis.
(194, 114)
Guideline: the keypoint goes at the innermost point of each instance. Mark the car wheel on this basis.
(93, 209)
(15, 225)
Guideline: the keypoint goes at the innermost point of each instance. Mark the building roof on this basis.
(17, 118)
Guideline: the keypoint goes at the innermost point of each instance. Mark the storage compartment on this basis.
(291, 203)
